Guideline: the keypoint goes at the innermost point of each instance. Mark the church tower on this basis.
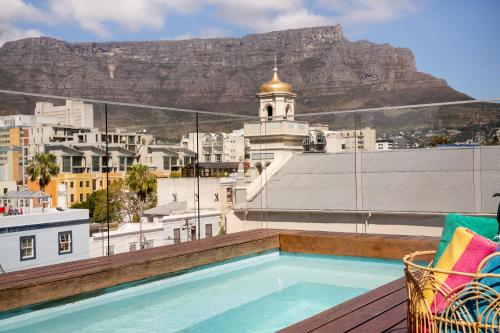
(277, 102)
(276, 136)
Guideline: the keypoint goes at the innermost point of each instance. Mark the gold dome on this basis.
(275, 85)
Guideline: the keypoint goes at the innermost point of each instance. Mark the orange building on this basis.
(69, 188)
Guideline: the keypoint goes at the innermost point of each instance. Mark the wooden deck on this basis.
(379, 310)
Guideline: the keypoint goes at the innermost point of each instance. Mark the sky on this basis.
(457, 40)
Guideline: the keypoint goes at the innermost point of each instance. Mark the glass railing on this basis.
(385, 170)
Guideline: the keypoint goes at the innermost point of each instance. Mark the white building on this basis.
(73, 113)
(384, 145)
(127, 239)
(217, 147)
(182, 227)
(25, 120)
(41, 237)
(323, 140)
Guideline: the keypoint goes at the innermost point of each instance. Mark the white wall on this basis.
(179, 221)
(184, 189)
(121, 240)
(46, 239)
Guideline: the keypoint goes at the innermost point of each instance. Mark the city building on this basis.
(73, 113)
(69, 188)
(218, 147)
(360, 140)
(34, 236)
(384, 145)
(323, 140)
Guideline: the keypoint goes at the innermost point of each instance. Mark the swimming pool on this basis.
(261, 293)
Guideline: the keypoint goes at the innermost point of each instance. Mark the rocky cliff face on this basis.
(327, 71)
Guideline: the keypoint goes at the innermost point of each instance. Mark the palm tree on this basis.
(143, 183)
(42, 167)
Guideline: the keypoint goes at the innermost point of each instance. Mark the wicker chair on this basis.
(470, 308)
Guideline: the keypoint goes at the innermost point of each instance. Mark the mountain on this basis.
(327, 71)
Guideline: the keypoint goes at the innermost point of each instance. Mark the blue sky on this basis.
(458, 40)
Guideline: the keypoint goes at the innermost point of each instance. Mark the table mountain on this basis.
(327, 71)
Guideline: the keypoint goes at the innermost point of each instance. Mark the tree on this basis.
(42, 167)
(115, 206)
(89, 204)
(141, 183)
(439, 140)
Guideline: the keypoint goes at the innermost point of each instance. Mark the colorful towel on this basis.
(463, 254)
(484, 226)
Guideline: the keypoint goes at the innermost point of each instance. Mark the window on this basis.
(87, 183)
(81, 197)
(218, 158)
(72, 198)
(87, 196)
(229, 194)
(177, 236)
(133, 246)
(65, 242)
(166, 163)
(27, 247)
(100, 182)
(66, 163)
(208, 230)
(71, 184)
(94, 184)
(122, 163)
(269, 110)
(81, 184)
(187, 160)
(95, 163)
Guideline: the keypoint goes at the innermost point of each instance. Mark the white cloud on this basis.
(362, 12)
(265, 15)
(96, 16)
(13, 12)
(103, 17)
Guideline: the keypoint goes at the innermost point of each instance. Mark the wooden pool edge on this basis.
(49, 283)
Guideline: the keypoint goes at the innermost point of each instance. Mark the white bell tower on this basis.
(277, 102)
(276, 136)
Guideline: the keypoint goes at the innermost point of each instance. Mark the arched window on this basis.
(258, 166)
(269, 110)
(219, 142)
(320, 138)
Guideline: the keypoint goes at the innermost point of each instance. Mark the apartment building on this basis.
(323, 140)
(218, 147)
(73, 113)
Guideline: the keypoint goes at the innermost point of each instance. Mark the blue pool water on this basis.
(257, 294)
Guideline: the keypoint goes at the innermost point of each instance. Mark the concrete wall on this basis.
(183, 189)
(121, 241)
